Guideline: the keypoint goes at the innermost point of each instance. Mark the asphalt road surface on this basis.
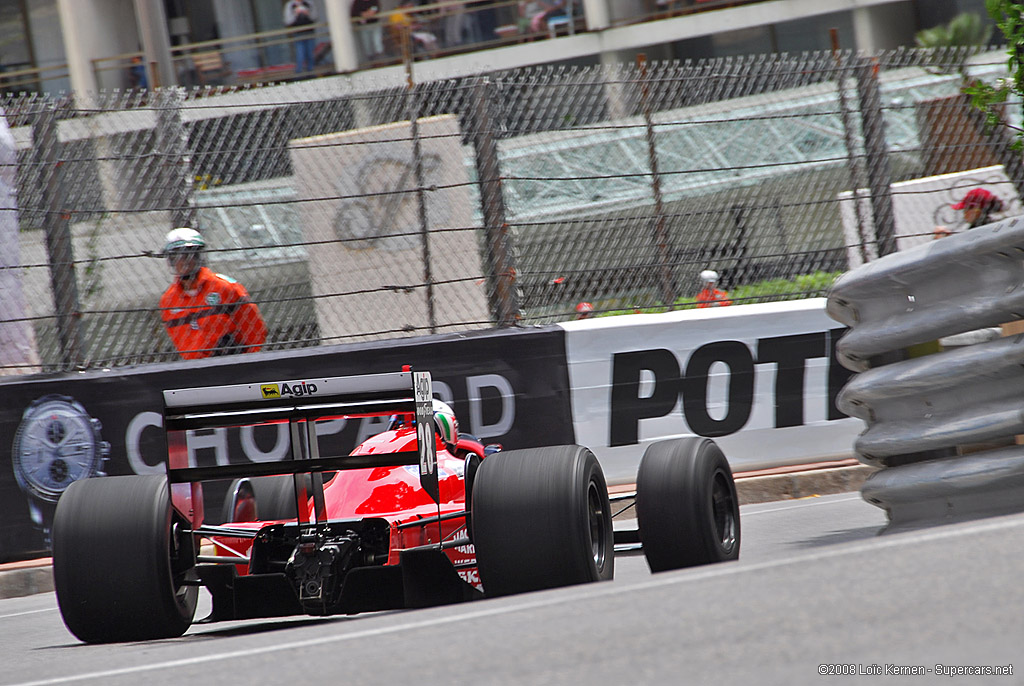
(818, 589)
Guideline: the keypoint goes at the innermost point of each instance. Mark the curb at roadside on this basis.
(36, 576)
(806, 483)
(26, 578)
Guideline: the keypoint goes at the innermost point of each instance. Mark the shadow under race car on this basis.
(403, 521)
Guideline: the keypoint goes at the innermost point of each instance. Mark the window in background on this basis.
(47, 45)
(15, 47)
(812, 33)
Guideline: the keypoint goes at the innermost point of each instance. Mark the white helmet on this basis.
(709, 276)
(184, 251)
(445, 423)
(183, 238)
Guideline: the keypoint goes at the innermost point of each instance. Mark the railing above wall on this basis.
(443, 28)
(32, 79)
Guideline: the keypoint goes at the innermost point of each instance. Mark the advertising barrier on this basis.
(760, 379)
(506, 387)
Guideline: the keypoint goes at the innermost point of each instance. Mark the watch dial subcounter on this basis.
(61, 455)
(56, 444)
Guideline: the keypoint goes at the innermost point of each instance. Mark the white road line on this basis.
(799, 505)
(588, 592)
(28, 612)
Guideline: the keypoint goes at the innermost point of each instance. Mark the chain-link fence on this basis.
(359, 210)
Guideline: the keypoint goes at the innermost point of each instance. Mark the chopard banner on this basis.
(507, 387)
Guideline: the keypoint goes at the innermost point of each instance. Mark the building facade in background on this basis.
(53, 46)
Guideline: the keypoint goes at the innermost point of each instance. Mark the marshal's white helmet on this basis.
(184, 251)
(709, 276)
(183, 239)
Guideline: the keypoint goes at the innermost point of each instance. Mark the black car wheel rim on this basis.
(598, 532)
(723, 510)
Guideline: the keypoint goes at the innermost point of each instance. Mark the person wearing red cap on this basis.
(978, 206)
(584, 310)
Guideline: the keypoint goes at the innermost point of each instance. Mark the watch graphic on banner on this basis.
(56, 443)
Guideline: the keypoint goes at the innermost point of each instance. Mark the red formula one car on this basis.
(414, 516)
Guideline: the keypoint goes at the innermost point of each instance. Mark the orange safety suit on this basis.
(712, 297)
(214, 317)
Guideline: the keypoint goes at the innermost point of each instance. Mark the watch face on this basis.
(57, 443)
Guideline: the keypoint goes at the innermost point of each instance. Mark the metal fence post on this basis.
(57, 227)
(850, 139)
(172, 146)
(877, 149)
(499, 259)
(738, 252)
(660, 232)
(412, 105)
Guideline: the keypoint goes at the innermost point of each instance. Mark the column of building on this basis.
(343, 38)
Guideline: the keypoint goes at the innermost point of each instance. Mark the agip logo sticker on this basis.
(297, 389)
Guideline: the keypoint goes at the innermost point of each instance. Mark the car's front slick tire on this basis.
(686, 505)
(123, 568)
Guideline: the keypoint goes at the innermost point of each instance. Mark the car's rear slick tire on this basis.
(686, 505)
(274, 497)
(123, 569)
(239, 502)
(541, 519)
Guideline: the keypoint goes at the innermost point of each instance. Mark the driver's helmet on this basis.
(445, 423)
(183, 249)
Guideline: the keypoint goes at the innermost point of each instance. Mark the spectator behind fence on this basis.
(978, 207)
(402, 19)
(538, 13)
(460, 25)
(206, 314)
(137, 77)
(371, 35)
(710, 295)
(301, 13)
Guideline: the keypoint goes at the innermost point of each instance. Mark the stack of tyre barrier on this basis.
(941, 422)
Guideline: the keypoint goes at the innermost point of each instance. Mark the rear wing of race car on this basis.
(300, 403)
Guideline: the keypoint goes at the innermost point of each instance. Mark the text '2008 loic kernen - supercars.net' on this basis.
(412, 517)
